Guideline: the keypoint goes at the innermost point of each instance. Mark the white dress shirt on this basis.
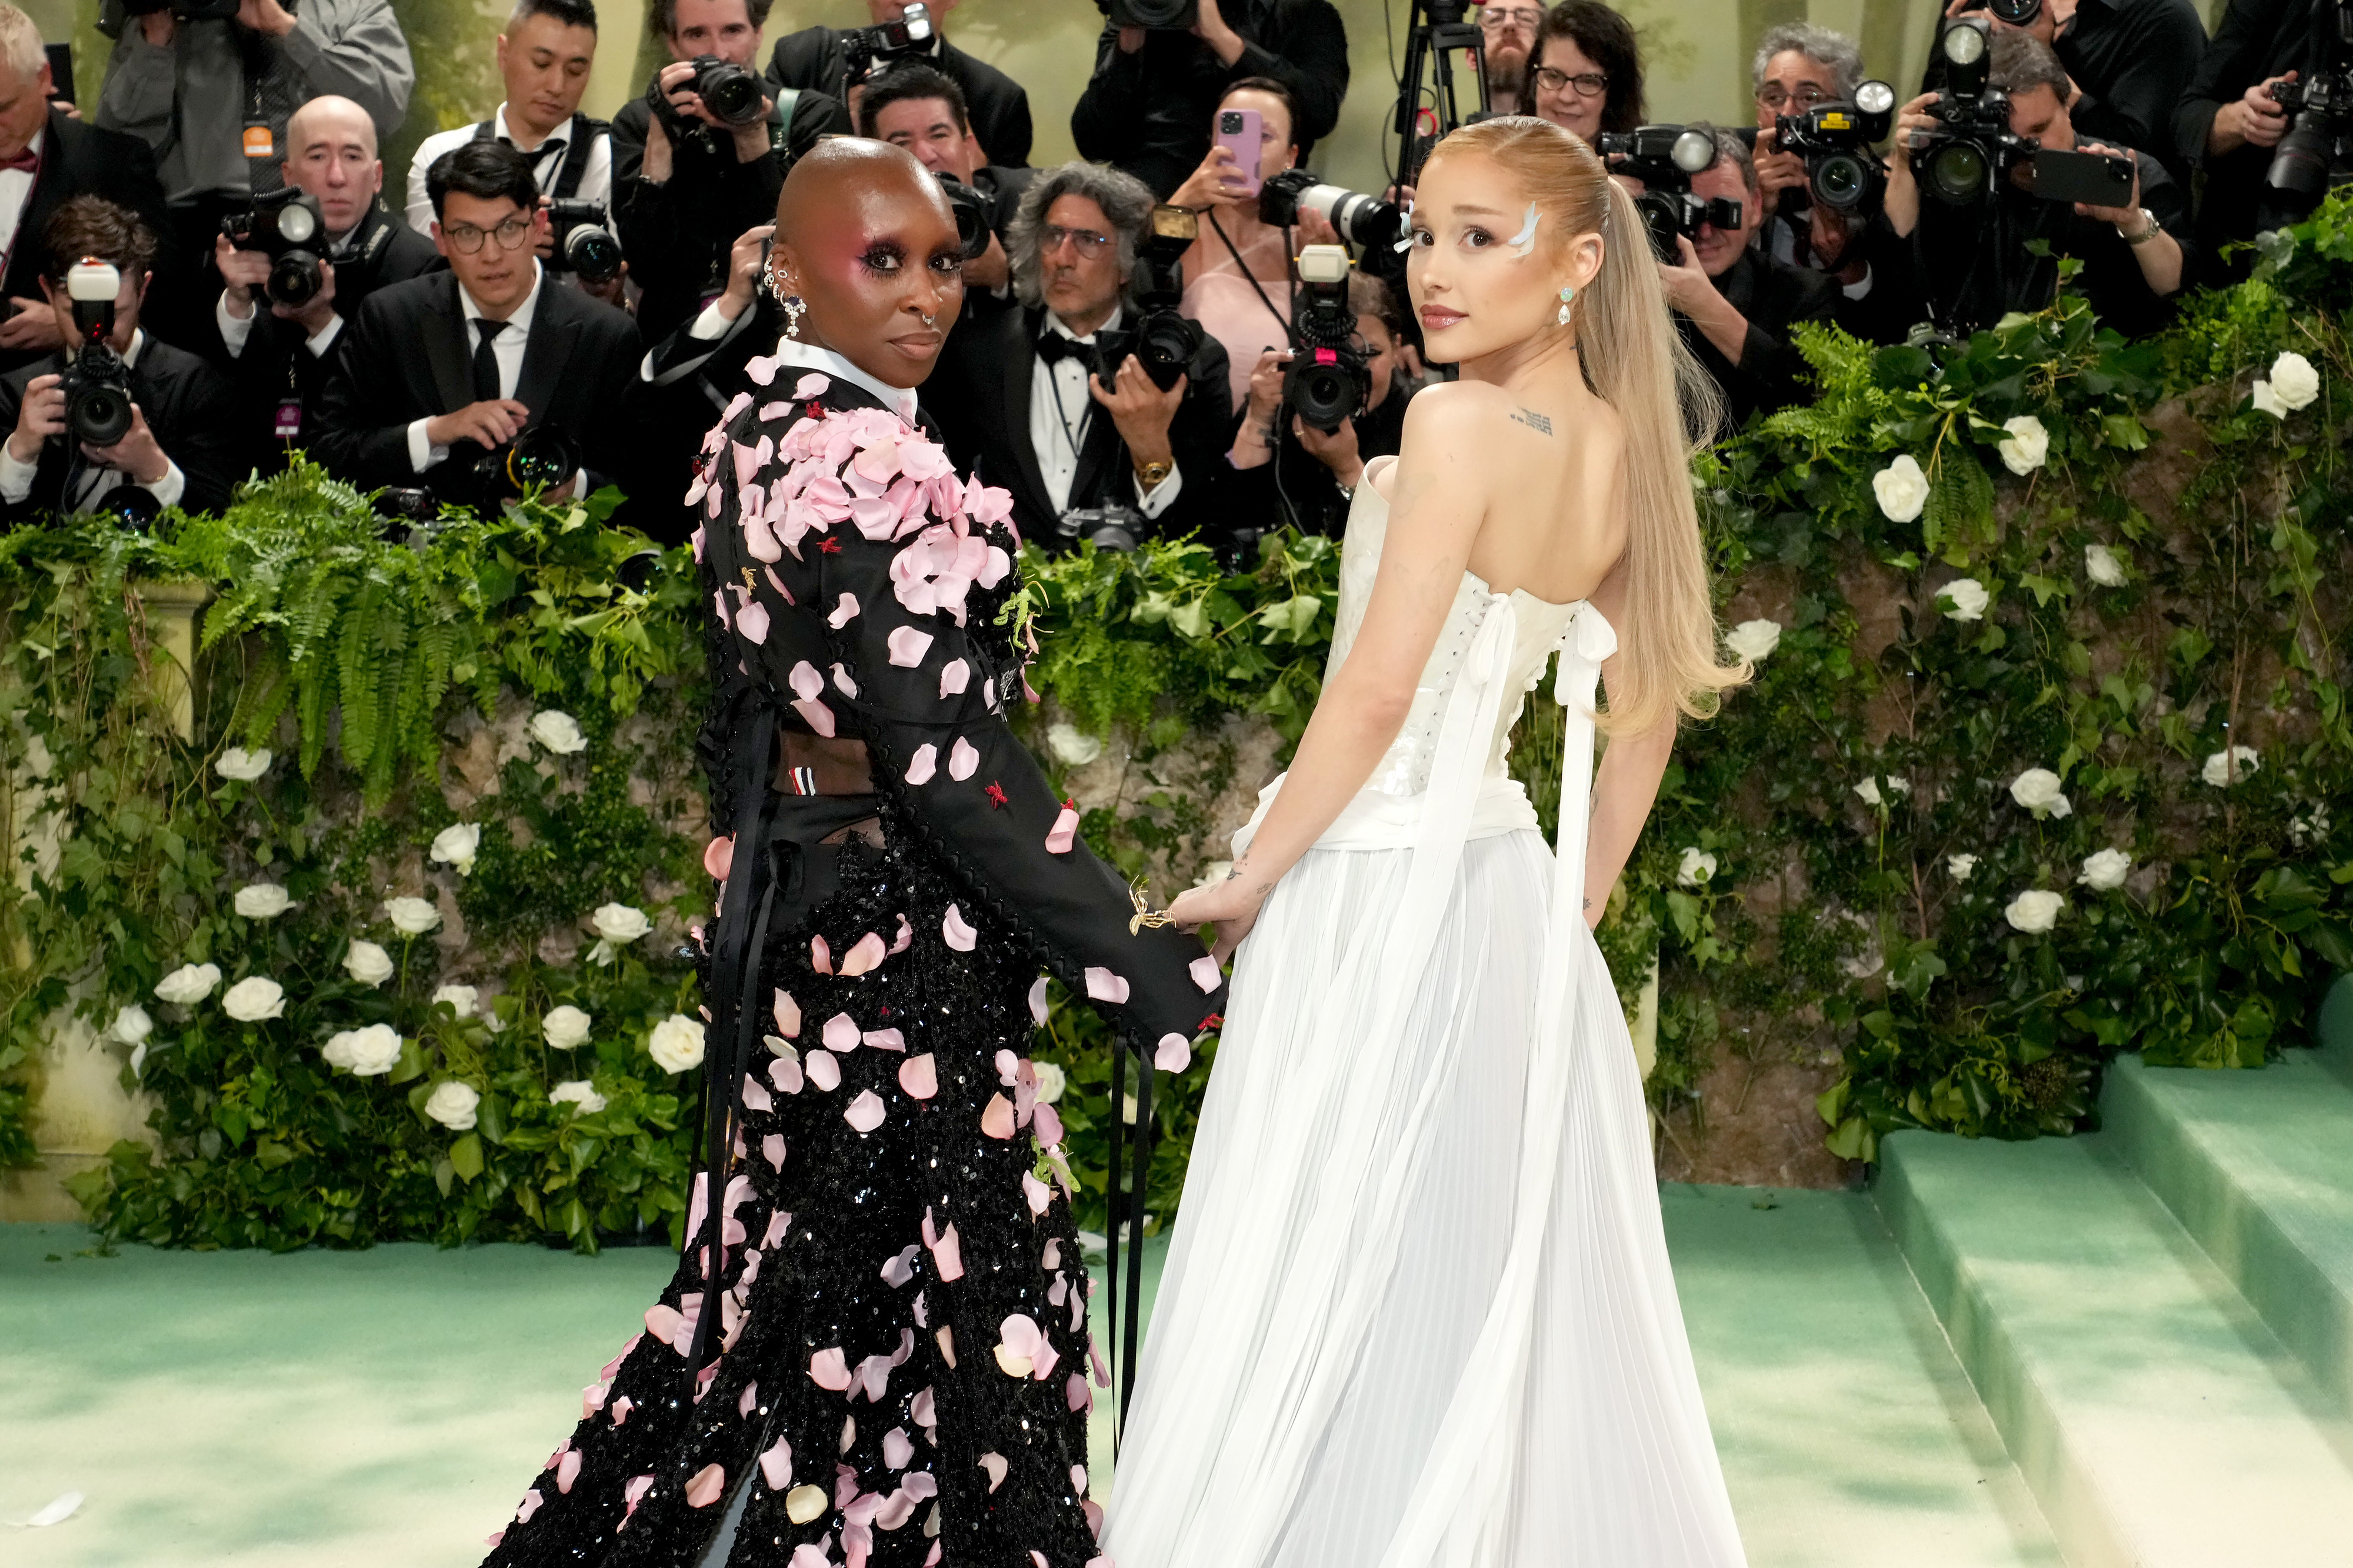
(16, 190)
(17, 478)
(1059, 407)
(825, 362)
(508, 347)
(547, 162)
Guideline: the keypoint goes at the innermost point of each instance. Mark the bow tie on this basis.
(28, 160)
(1054, 347)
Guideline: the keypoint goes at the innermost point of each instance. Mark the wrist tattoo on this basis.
(1539, 423)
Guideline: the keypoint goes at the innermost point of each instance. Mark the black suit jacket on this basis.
(185, 402)
(814, 60)
(1773, 295)
(2257, 39)
(78, 159)
(276, 366)
(408, 356)
(677, 235)
(980, 395)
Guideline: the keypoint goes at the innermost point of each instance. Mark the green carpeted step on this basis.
(2158, 1421)
(2258, 1166)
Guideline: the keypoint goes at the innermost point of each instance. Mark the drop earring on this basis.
(790, 303)
(1567, 293)
(793, 309)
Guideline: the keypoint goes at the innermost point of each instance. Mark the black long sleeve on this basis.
(2132, 61)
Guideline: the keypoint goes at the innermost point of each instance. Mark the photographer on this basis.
(1052, 401)
(176, 438)
(920, 109)
(1148, 109)
(686, 182)
(440, 371)
(1798, 67)
(544, 57)
(1507, 41)
(2127, 63)
(188, 89)
(66, 159)
(1734, 305)
(822, 59)
(2229, 126)
(1586, 75)
(1283, 470)
(1970, 260)
(279, 349)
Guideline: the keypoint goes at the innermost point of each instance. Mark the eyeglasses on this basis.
(468, 238)
(1088, 242)
(1775, 98)
(1492, 17)
(1588, 84)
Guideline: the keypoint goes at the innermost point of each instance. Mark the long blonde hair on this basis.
(1634, 360)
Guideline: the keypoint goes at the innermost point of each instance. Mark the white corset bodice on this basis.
(1404, 769)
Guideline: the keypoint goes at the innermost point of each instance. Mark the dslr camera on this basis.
(869, 49)
(96, 383)
(541, 457)
(1364, 221)
(1109, 526)
(1158, 15)
(584, 241)
(1835, 140)
(1328, 378)
(2317, 151)
(971, 209)
(1164, 342)
(732, 94)
(1664, 158)
(1971, 149)
(286, 226)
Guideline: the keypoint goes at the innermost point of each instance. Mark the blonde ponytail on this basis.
(1636, 362)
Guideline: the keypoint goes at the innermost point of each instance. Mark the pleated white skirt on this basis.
(1315, 1390)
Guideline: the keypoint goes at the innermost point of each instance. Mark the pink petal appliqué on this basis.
(1038, 1002)
(920, 1076)
(995, 1464)
(923, 763)
(772, 1149)
(956, 932)
(823, 1071)
(709, 1485)
(1047, 1125)
(829, 1369)
(865, 954)
(1036, 1193)
(567, 1469)
(820, 956)
(908, 647)
(841, 1033)
(1102, 986)
(843, 612)
(905, 938)
(752, 623)
(1173, 1054)
(884, 1040)
(805, 682)
(947, 1258)
(899, 1269)
(997, 1117)
(955, 675)
(788, 1015)
(777, 1466)
(756, 1095)
(1204, 971)
(897, 1450)
(1064, 833)
(719, 857)
(963, 759)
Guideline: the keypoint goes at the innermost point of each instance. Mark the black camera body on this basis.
(732, 94)
(540, 457)
(1155, 16)
(1165, 343)
(1664, 158)
(186, 10)
(2317, 152)
(584, 240)
(869, 49)
(287, 226)
(96, 382)
(1835, 140)
(971, 209)
(1329, 377)
(1109, 526)
(1964, 158)
(1362, 220)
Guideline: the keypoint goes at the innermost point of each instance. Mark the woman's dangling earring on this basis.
(1569, 292)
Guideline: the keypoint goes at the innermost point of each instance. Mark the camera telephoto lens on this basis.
(1166, 344)
(98, 414)
(2300, 167)
(1840, 181)
(1956, 173)
(730, 93)
(295, 278)
(593, 254)
(2017, 13)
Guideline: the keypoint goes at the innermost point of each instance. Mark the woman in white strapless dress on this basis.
(1418, 1311)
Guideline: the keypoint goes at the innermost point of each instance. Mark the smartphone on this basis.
(1238, 133)
(61, 82)
(2096, 179)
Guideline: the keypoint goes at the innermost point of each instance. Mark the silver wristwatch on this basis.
(2150, 229)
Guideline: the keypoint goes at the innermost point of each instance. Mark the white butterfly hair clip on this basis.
(1407, 224)
(1525, 240)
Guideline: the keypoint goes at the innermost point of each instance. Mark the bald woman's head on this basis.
(331, 152)
(866, 239)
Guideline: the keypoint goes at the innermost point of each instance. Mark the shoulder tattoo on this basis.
(1539, 423)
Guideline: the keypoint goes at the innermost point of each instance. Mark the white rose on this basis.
(2104, 871)
(411, 917)
(1960, 866)
(462, 999)
(1698, 865)
(2306, 831)
(1072, 745)
(1752, 640)
(452, 1104)
(2294, 381)
(2265, 400)
(189, 984)
(619, 922)
(1869, 789)
(131, 1025)
(676, 1043)
(1901, 488)
(368, 963)
(2028, 442)
(565, 1027)
(2102, 565)
(253, 999)
(1966, 599)
(2035, 911)
(454, 845)
(262, 901)
(2219, 769)
(1051, 1083)
(2038, 790)
(365, 1053)
(242, 765)
(559, 732)
(578, 1091)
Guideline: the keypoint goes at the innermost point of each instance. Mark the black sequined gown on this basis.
(898, 1370)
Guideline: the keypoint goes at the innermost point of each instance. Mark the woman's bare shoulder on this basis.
(1448, 410)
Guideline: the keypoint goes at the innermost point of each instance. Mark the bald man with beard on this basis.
(278, 355)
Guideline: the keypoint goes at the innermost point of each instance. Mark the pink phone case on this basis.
(1241, 140)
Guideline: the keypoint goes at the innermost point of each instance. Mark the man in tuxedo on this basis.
(923, 111)
(177, 451)
(440, 371)
(818, 58)
(278, 354)
(1050, 402)
(48, 158)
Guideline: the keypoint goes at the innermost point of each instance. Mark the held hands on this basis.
(1140, 410)
(1231, 905)
(744, 259)
(490, 424)
(136, 455)
(34, 326)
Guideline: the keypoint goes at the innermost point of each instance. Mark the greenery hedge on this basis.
(1973, 830)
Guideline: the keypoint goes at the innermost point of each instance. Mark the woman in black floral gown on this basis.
(896, 1370)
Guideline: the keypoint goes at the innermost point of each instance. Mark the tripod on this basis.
(1437, 31)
